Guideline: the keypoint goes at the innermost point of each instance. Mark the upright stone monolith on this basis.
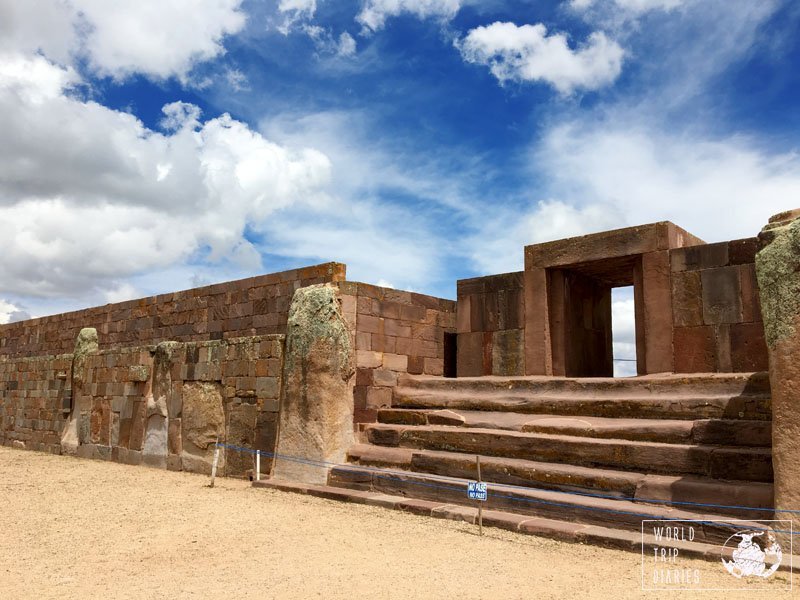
(778, 271)
(76, 429)
(316, 418)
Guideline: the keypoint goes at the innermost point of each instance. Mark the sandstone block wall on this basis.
(715, 308)
(253, 306)
(163, 405)
(395, 332)
(33, 392)
(491, 325)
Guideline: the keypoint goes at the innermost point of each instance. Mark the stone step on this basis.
(638, 487)
(654, 406)
(524, 524)
(731, 432)
(748, 464)
(547, 504)
(702, 384)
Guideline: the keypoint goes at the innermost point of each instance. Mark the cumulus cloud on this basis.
(646, 174)
(89, 195)
(156, 38)
(10, 313)
(374, 13)
(528, 54)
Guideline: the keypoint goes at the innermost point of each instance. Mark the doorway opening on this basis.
(623, 331)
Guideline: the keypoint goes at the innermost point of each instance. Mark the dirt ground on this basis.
(75, 528)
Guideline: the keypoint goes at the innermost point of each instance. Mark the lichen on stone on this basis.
(778, 272)
(315, 315)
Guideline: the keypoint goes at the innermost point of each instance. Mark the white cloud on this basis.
(90, 196)
(374, 13)
(718, 189)
(157, 38)
(527, 54)
(295, 12)
(632, 6)
(326, 43)
(10, 313)
(498, 247)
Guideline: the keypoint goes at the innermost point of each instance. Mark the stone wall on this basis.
(491, 327)
(253, 306)
(33, 392)
(395, 332)
(162, 405)
(715, 307)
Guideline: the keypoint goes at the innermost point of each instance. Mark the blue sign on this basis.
(476, 490)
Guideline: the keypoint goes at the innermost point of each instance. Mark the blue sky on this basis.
(154, 146)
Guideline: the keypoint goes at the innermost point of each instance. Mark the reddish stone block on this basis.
(748, 348)
(693, 258)
(433, 366)
(657, 303)
(364, 376)
(742, 252)
(378, 397)
(369, 324)
(412, 313)
(751, 303)
(694, 349)
(360, 397)
(463, 321)
(397, 329)
(722, 295)
(385, 377)
(383, 343)
(416, 365)
(687, 299)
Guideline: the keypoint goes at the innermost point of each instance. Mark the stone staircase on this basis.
(571, 455)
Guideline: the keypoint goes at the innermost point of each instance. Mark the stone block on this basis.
(694, 349)
(379, 397)
(508, 352)
(687, 299)
(395, 362)
(748, 348)
(722, 296)
(470, 354)
(742, 252)
(463, 320)
(384, 377)
(693, 258)
(369, 359)
(433, 366)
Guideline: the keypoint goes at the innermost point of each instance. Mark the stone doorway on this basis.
(580, 314)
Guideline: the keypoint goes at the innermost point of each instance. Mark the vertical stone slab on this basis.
(538, 358)
(157, 400)
(657, 305)
(79, 417)
(778, 272)
(316, 418)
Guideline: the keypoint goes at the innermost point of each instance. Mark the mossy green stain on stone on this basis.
(314, 316)
(778, 272)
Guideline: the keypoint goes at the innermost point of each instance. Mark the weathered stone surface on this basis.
(240, 432)
(316, 419)
(202, 423)
(778, 271)
(71, 436)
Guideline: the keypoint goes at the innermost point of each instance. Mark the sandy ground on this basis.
(75, 528)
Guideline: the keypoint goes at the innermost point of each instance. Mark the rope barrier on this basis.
(390, 475)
